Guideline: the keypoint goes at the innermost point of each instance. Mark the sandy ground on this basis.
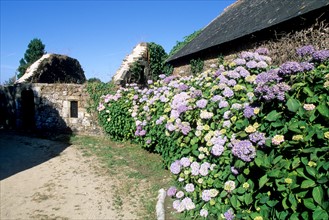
(42, 179)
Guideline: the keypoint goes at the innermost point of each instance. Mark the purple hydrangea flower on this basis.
(188, 203)
(227, 114)
(223, 104)
(248, 112)
(262, 65)
(185, 162)
(269, 76)
(262, 50)
(231, 82)
(174, 114)
(257, 138)
(206, 195)
(176, 204)
(239, 61)
(175, 167)
(203, 213)
(168, 79)
(227, 124)
(251, 64)
(182, 109)
(216, 98)
(305, 50)
(270, 92)
(196, 93)
(195, 167)
(189, 187)
(228, 92)
(244, 150)
(179, 194)
(217, 150)
(307, 66)
(247, 55)
(290, 68)
(242, 71)
(183, 87)
(201, 103)
(218, 140)
(204, 169)
(229, 214)
(184, 127)
(171, 191)
(321, 55)
(233, 74)
(236, 106)
(222, 79)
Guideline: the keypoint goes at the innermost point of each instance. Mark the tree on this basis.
(34, 51)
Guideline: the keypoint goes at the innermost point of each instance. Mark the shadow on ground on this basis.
(20, 152)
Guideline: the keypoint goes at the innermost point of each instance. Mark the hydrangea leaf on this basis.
(293, 104)
(323, 110)
(317, 194)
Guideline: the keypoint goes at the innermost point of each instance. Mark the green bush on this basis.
(196, 66)
(247, 141)
(157, 58)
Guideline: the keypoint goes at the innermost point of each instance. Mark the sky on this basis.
(99, 33)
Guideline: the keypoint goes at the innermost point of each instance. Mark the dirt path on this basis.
(42, 179)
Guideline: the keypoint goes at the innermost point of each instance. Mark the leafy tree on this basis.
(180, 44)
(35, 50)
(157, 61)
(94, 80)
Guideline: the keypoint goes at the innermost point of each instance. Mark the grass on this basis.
(141, 173)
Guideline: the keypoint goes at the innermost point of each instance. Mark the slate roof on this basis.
(245, 17)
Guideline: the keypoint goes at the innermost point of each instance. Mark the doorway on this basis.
(27, 110)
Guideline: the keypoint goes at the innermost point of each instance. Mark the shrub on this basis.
(180, 44)
(196, 66)
(248, 141)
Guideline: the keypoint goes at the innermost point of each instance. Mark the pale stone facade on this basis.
(53, 107)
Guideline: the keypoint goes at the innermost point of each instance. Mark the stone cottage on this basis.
(279, 25)
(50, 96)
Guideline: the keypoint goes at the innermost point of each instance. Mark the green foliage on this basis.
(157, 58)
(94, 80)
(35, 50)
(137, 74)
(180, 44)
(196, 66)
(96, 90)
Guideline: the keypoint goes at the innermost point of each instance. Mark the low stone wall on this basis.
(53, 107)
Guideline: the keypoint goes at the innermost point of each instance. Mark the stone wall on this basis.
(51, 107)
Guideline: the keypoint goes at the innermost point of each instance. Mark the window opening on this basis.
(74, 109)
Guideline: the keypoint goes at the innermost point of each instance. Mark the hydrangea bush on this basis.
(245, 141)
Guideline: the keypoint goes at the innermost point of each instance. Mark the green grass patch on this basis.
(142, 173)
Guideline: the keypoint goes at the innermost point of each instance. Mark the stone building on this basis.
(57, 106)
(279, 25)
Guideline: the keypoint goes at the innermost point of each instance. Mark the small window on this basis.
(74, 109)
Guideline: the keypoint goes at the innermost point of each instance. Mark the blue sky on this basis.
(98, 33)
